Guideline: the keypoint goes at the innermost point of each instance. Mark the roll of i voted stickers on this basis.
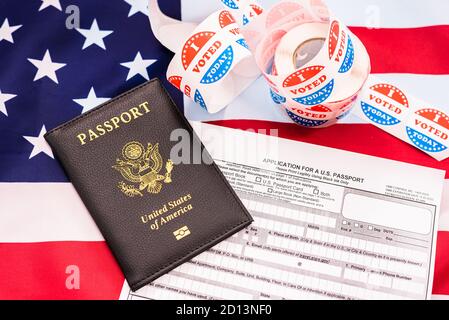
(334, 73)
(320, 115)
(212, 64)
(313, 64)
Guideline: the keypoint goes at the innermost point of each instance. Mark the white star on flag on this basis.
(6, 31)
(94, 35)
(46, 67)
(137, 6)
(91, 101)
(48, 3)
(39, 144)
(138, 66)
(3, 98)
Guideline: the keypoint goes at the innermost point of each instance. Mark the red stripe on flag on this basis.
(412, 50)
(361, 138)
(38, 271)
(441, 278)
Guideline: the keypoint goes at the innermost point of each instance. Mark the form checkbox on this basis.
(258, 179)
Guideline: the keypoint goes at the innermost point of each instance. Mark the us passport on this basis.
(154, 207)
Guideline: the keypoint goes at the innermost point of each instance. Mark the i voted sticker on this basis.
(304, 121)
(316, 113)
(220, 67)
(301, 76)
(309, 85)
(317, 97)
(378, 116)
(428, 130)
(385, 104)
(348, 61)
(194, 45)
(341, 47)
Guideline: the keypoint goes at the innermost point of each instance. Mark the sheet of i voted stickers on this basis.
(406, 117)
(328, 224)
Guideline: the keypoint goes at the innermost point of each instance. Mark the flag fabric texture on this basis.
(61, 58)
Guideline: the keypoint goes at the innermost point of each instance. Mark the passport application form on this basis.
(329, 224)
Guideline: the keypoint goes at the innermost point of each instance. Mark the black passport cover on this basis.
(154, 214)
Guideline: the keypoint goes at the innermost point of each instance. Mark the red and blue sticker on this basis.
(344, 53)
(194, 45)
(348, 61)
(300, 82)
(317, 112)
(385, 105)
(428, 130)
(317, 97)
(220, 67)
(305, 122)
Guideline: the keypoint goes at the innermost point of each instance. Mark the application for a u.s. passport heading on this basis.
(329, 224)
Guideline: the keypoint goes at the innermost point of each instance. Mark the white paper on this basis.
(329, 224)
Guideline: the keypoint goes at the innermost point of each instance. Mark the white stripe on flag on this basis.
(256, 104)
(378, 13)
(40, 212)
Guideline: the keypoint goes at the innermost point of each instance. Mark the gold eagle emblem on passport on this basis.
(142, 167)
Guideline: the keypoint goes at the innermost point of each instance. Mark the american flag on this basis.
(52, 70)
